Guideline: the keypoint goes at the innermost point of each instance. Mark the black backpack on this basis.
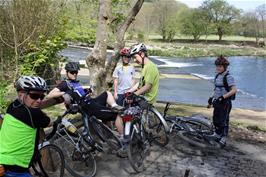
(225, 83)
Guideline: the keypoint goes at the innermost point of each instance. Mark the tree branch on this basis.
(121, 29)
(6, 42)
(27, 37)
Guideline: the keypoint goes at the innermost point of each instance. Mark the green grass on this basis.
(209, 38)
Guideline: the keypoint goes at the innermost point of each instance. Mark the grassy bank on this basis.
(239, 118)
(255, 120)
(202, 49)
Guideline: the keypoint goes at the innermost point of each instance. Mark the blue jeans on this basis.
(14, 174)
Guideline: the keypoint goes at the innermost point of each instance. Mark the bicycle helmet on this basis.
(222, 61)
(72, 66)
(28, 83)
(138, 48)
(124, 52)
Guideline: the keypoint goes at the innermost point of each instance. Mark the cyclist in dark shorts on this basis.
(19, 133)
(93, 106)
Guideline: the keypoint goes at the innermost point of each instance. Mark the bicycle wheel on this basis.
(78, 159)
(136, 152)
(106, 135)
(196, 133)
(52, 160)
(156, 127)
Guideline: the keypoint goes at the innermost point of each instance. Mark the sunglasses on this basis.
(73, 72)
(36, 96)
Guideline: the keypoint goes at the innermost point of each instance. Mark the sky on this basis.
(246, 5)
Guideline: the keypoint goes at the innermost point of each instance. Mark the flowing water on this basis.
(249, 73)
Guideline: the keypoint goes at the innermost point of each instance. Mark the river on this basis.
(249, 73)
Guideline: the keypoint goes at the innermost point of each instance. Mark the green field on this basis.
(209, 38)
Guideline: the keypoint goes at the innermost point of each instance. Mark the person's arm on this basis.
(144, 89)
(231, 92)
(134, 88)
(55, 93)
(232, 86)
(115, 88)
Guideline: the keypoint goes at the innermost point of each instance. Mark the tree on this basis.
(261, 13)
(21, 23)
(100, 70)
(220, 14)
(194, 23)
(165, 13)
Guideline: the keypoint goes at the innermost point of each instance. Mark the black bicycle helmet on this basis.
(72, 66)
(29, 83)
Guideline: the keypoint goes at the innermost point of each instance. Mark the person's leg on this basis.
(110, 99)
(107, 98)
(228, 108)
(217, 118)
(119, 125)
(120, 99)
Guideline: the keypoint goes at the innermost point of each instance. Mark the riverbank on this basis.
(202, 49)
(239, 118)
(190, 49)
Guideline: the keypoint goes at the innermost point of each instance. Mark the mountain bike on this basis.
(49, 160)
(196, 130)
(79, 144)
(78, 154)
(143, 125)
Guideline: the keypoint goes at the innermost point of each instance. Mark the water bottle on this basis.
(69, 126)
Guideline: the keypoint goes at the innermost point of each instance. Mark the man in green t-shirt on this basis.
(149, 81)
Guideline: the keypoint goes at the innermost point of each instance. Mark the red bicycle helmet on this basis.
(222, 61)
(124, 52)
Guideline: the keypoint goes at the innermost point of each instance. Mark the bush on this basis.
(4, 102)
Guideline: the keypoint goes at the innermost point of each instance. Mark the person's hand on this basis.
(129, 97)
(210, 100)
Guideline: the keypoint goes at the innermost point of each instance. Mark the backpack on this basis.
(225, 83)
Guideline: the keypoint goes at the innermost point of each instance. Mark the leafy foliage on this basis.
(3, 101)
(221, 14)
(43, 58)
(194, 23)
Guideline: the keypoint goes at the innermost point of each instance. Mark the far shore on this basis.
(188, 50)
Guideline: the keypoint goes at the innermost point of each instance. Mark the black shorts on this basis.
(97, 107)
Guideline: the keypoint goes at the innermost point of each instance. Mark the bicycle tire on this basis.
(157, 128)
(52, 160)
(136, 152)
(78, 162)
(192, 135)
(106, 135)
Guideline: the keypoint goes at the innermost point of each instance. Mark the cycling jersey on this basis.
(19, 135)
(150, 74)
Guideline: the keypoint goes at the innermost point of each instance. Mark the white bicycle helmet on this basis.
(138, 48)
(28, 83)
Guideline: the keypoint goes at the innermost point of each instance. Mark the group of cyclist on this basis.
(24, 117)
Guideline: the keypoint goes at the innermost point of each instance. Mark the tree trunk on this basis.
(220, 32)
(120, 43)
(96, 60)
(101, 73)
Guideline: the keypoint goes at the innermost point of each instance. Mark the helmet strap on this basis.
(142, 62)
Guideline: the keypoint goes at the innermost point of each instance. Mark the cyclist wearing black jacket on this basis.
(93, 106)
